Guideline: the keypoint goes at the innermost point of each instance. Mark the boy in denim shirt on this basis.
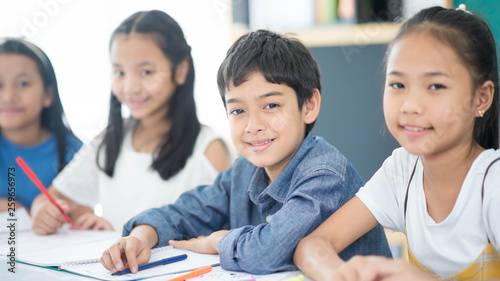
(285, 184)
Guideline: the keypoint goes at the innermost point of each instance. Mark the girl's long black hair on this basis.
(178, 144)
(52, 117)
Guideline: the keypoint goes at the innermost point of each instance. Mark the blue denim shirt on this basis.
(315, 183)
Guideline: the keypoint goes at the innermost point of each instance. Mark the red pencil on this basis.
(39, 184)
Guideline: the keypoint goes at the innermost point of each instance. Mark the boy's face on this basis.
(267, 127)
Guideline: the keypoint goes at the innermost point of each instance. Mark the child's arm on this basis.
(218, 156)
(316, 254)
(79, 181)
(200, 211)
(269, 247)
(202, 244)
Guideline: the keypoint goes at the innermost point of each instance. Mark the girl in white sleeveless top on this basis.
(156, 155)
(442, 188)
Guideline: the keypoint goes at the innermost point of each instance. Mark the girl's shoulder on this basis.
(488, 165)
(489, 170)
(400, 163)
(128, 126)
(205, 137)
(395, 173)
(488, 159)
(208, 131)
(401, 155)
(73, 142)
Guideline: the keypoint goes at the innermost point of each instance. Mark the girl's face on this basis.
(22, 93)
(142, 75)
(428, 97)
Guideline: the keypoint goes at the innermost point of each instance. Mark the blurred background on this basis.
(347, 37)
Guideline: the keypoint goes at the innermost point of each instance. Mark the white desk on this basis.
(30, 272)
(25, 238)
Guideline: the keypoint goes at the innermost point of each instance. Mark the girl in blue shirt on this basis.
(31, 120)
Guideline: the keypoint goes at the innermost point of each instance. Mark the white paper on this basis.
(22, 221)
(193, 261)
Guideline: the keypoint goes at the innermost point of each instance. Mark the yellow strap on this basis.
(486, 266)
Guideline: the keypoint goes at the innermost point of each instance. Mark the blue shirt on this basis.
(315, 183)
(42, 159)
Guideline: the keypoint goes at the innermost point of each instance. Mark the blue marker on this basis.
(155, 263)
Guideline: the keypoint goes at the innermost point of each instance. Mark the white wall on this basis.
(411, 7)
(75, 36)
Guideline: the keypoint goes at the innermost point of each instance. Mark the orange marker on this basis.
(39, 184)
(193, 273)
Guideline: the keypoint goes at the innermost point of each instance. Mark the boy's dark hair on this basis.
(178, 144)
(52, 117)
(472, 40)
(281, 60)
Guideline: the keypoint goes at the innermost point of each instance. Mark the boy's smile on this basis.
(260, 145)
(267, 127)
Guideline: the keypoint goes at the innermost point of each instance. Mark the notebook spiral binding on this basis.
(90, 261)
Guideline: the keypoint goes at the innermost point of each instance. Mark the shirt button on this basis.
(268, 218)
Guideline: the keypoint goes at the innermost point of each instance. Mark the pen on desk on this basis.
(39, 185)
(193, 273)
(296, 278)
(155, 263)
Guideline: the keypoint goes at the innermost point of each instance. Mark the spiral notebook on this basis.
(93, 268)
(79, 251)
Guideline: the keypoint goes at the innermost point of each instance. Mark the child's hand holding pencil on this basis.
(47, 218)
(50, 215)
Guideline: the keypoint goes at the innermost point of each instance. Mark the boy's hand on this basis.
(367, 268)
(126, 253)
(202, 244)
(91, 221)
(47, 219)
